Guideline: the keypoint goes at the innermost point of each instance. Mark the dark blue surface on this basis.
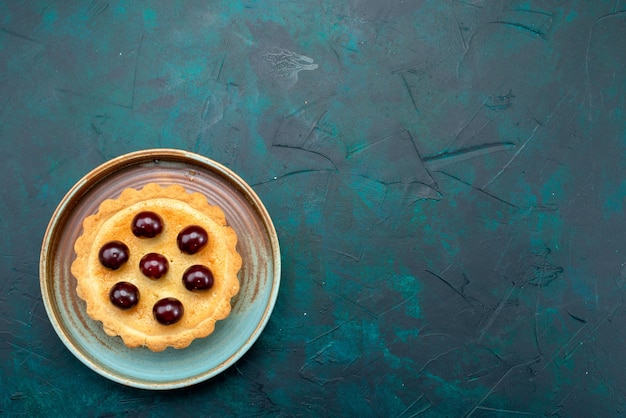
(447, 179)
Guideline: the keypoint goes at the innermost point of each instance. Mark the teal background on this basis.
(447, 179)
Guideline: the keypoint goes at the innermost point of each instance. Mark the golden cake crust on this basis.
(178, 209)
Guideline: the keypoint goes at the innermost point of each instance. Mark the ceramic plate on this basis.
(251, 308)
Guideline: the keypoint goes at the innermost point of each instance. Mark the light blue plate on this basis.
(251, 308)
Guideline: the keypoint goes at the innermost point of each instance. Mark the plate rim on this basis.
(104, 170)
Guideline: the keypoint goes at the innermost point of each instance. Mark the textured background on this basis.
(447, 178)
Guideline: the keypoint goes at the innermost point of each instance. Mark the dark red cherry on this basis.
(191, 239)
(124, 295)
(113, 254)
(147, 224)
(198, 277)
(153, 265)
(168, 311)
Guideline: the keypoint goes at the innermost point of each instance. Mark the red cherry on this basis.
(168, 311)
(113, 254)
(192, 239)
(153, 265)
(124, 295)
(147, 224)
(198, 277)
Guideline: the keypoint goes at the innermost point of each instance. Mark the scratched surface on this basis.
(447, 178)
